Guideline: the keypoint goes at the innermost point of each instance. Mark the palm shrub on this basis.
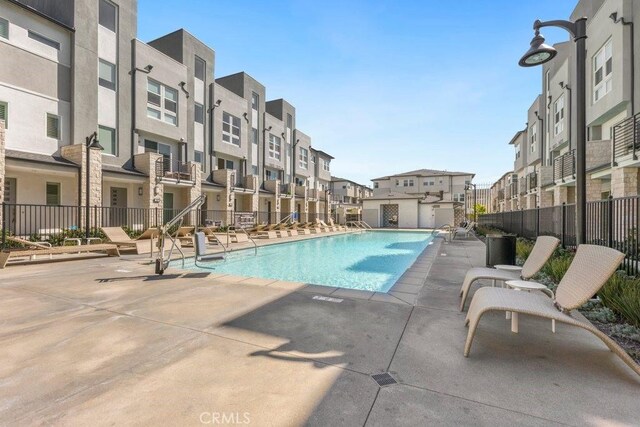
(557, 266)
(523, 249)
(622, 295)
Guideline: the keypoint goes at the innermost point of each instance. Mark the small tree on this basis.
(480, 209)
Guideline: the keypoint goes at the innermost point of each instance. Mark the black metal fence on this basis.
(611, 222)
(43, 223)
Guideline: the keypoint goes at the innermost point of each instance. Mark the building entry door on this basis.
(118, 206)
(390, 216)
(167, 201)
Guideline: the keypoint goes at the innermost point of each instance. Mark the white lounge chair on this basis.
(540, 254)
(591, 268)
(464, 230)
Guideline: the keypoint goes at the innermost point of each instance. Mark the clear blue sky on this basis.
(385, 86)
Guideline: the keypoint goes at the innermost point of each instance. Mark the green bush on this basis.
(523, 249)
(557, 266)
(626, 331)
(622, 295)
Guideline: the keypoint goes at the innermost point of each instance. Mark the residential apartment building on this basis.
(169, 130)
(424, 198)
(613, 71)
(347, 197)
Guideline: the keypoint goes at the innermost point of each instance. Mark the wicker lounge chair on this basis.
(540, 254)
(143, 244)
(464, 230)
(109, 249)
(590, 269)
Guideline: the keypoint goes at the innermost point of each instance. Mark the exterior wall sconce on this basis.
(139, 191)
(217, 197)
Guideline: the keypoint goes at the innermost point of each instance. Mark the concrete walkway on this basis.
(104, 341)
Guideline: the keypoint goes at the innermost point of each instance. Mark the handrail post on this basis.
(4, 224)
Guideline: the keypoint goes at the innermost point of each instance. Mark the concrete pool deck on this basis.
(104, 341)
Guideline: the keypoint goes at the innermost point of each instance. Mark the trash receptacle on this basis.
(501, 249)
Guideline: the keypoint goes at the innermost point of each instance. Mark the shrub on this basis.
(626, 331)
(622, 295)
(556, 267)
(600, 314)
(523, 249)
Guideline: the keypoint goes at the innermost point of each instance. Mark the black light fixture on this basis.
(538, 53)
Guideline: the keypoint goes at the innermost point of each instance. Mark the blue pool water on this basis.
(369, 261)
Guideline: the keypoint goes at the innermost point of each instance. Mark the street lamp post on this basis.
(538, 54)
(91, 144)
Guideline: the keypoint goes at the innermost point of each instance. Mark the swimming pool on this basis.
(372, 260)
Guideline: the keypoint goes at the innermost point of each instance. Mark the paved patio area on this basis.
(104, 341)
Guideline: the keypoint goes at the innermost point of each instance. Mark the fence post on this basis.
(521, 223)
(563, 224)
(610, 221)
(95, 219)
(4, 225)
(537, 222)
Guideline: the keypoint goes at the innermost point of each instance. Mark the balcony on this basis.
(286, 190)
(532, 181)
(513, 187)
(501, 194)
(522, 185)
(301, 191)
(564, 167)
(626, 141)
(168, 168)
(241, 183)
(322, 195)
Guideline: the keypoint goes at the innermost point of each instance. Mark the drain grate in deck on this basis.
(384, 379)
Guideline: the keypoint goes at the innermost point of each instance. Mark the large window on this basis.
(157, 147)
(53, 193)
(254, 101)
(162, 102)
(4, 113)
(271, 175)
(558, 115)
(44, 40)
(107, 15)
(289, 121)
(326, 165)
(225, 164)
(53, 126)
(517, 151)
(198, 156)
(603, 71)
(230, 129)
(304, 158)
(274, 147)
(4, 28)
(106, 74)
(200, 68)
(407, 183)
(198, 113)
(458, 197)
(254, 136)
(533, 138)
(108, 140)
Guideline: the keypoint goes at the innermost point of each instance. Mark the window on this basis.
(199, 113)
(162, 102)
(254, 170)
(375, 185)
(106, 74)
(325, 165)
(254, 136)
(313, 159)
(53, 194)
(458, 197)
(4, 113)
(271, 175)
(517, 147)
(429, 182)
(230, 129)
(44, 40)
(4, 28)
(397, 182)
(602, 71)
(533, 138)
(198, 156)
(53, 126)
(157, 147)
(254, 101)
(558, 115)
(407, 183)
(304, 158)
(274, 147)
(289, 121)
(200, 68)
(108, 139)
(225, 164)
(107, 15)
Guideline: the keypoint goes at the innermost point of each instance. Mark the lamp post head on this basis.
(538, 53)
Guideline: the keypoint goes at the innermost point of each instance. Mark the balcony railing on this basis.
(513, 187)
(286, 190)
(564, 167)
(532, 181)
(322, 195)
(626, 139)
(301, 191)
(501, 194)
(167, 167)
(522, 184)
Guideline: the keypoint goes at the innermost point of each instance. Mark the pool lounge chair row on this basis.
(590, 269)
